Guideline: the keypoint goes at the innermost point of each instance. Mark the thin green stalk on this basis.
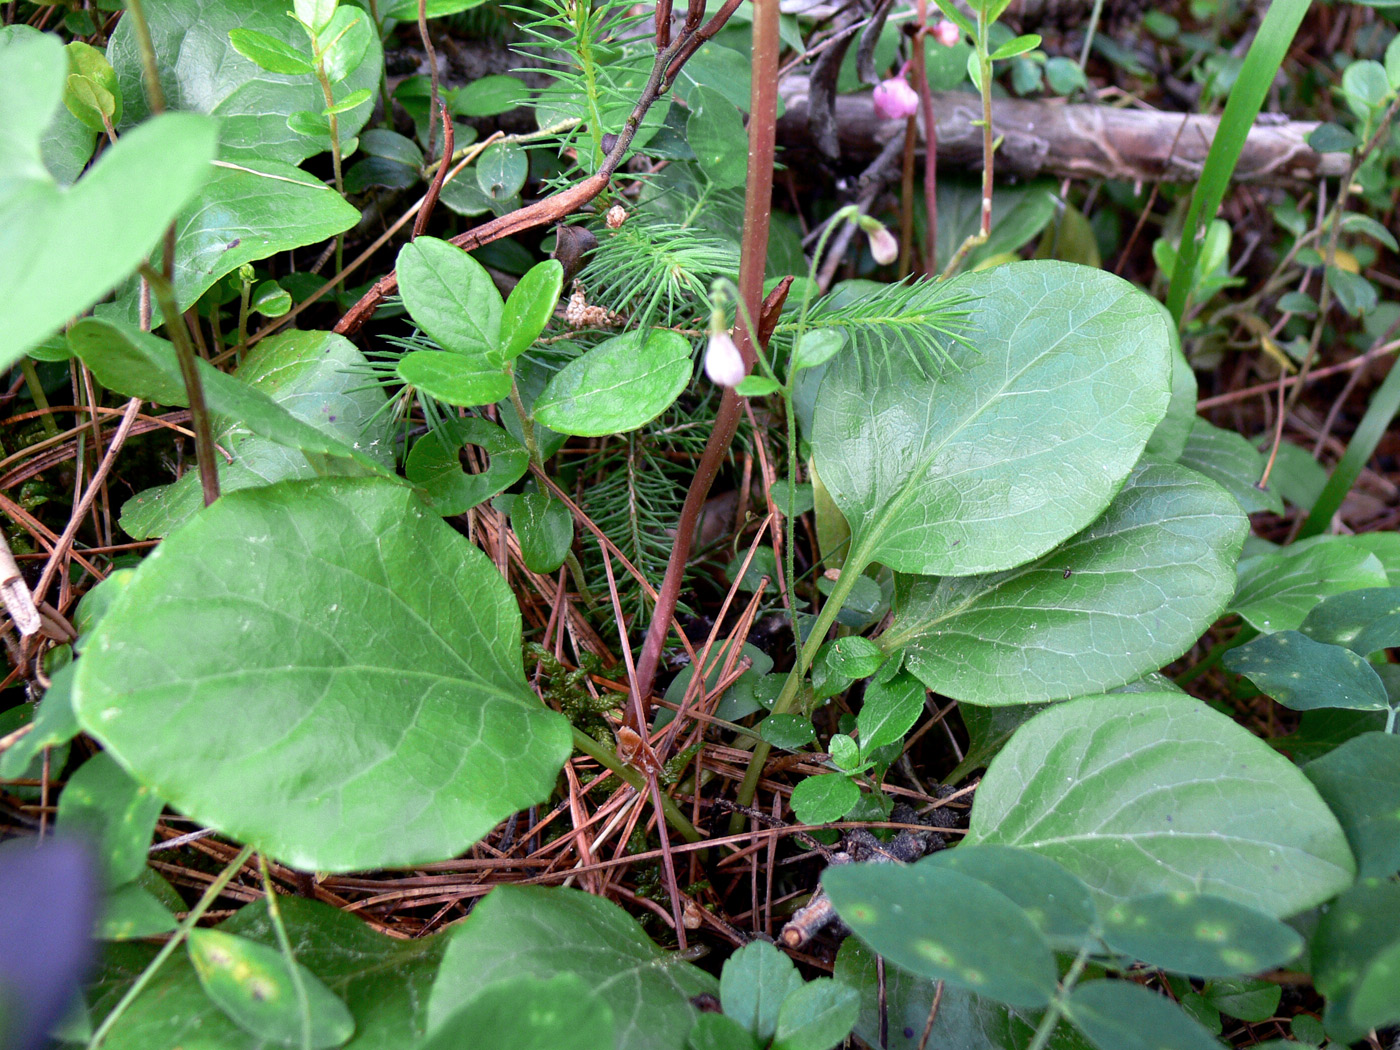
(177, 938)
(1056, 1009)
(1385, 403)
(150, 76)
(1390, 719)
(189, 372)
(527, 422)
(605, 756)
(1266, 54)
(37, 395)
(274, 916)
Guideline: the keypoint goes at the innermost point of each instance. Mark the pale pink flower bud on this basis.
(895, 99)
(883, 246)
(723, 362)
(947, 33)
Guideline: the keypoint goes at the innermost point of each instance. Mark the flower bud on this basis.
(883, 246)
(723, 362)
(895, 99)
(947, 33)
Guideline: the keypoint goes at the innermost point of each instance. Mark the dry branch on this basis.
(1074, 141)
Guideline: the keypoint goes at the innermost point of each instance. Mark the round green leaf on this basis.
(529, 307)
(816, 1016)
(816, 347)
(454, 379)
(1058, 903)
(1360, 781)
(433, 464)
(545, 528)
(501, 170)
(987, 465)
(1198, 934)
(617, 386)
(1129, 594)
(490, 96)
(542, 932)
(1154, 792)
(326, 670)
(529, 1013)
(1121, 1015)
(755, 982)
(1304, 675)
(253, 984)
(451, 297)
(824, 798)
(939, 923)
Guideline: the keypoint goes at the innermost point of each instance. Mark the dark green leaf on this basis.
(407, 10)
(888, 711)
(1364, 621)
(718, 1032)
(1356, 959)
(1360, 780)
(254, 986)
(1198, 934)
(325, 669)
(529, 1013)
(938, 923)
(490, 96)
(501, 170)
(716, 133)
(532, 930)
(788, 732)
(1277, 590)
(1332, 138)
(1303, 674)
(1249, 999)
(1232, 462)
(132, 911)
(1127, 595)
(1121, 1015)
(617, 386)
(434, 465)
(545, 528)
(1203, 805)
(1055, 901)
(1354, 293)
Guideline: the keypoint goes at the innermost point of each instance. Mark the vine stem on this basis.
(607, 757)
(177, 938)
(1056, 1009)
(274, 916)
(758, 202)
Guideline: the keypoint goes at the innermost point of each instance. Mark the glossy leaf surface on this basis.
(1303, 674)
(1277, 590)
(534, 931)
(618, 385)
(1154, 792)
(1127, 595)
(454, 379)
(545, 528)
(1360, 781)
(986, 465)
(529, 307)
(326, 670)
(452, 298)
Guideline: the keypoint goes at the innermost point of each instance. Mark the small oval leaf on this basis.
(617, 386)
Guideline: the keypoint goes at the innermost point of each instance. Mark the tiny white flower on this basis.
(947, 33)
(723, 362)
(895, 99)
(883, 246)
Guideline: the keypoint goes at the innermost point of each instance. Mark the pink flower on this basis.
(946, 33)
(723, 362)
(883, 246)
(895, 99)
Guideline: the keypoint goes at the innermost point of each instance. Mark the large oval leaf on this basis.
(939, 923)
(65, 248)
(987, 465)
(318, 377)
(529, 1013)
(1153, 792)
(1199, 934)
(617, 386)
(1129, 594)
(530, 930)
(451, 297)
(323, 669)
(201, 70)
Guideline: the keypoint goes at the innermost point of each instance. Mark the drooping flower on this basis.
(895, 99)
(883, 246)
(947, 33)
(723, 362)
